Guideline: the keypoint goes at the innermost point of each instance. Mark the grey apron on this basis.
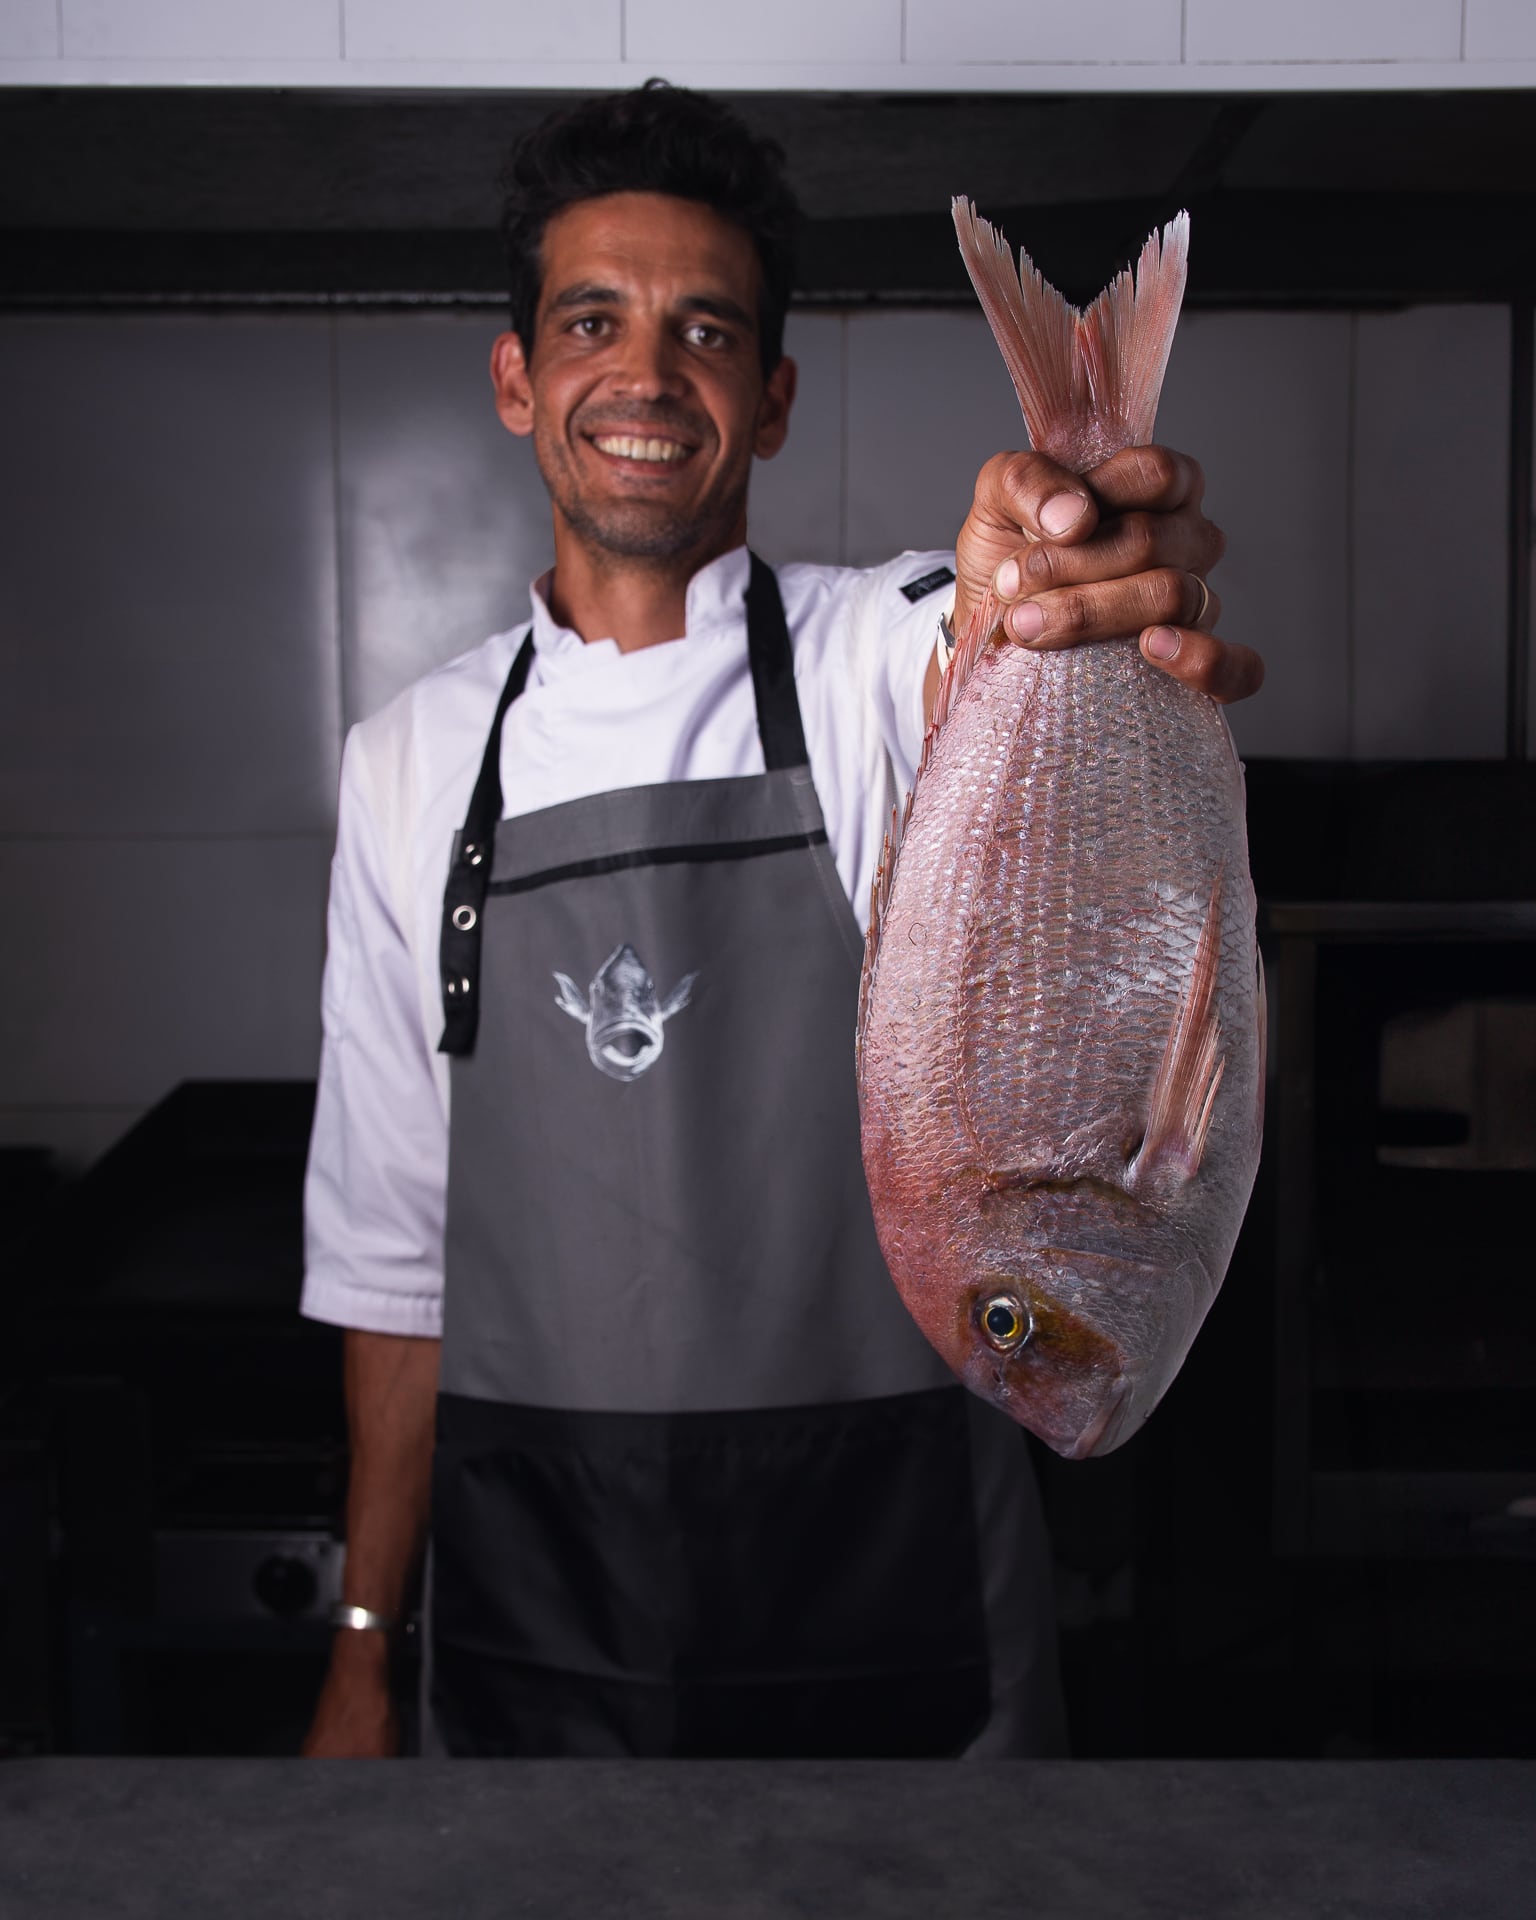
(700, 1486)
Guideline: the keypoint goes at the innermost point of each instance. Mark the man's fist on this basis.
(1119, 552)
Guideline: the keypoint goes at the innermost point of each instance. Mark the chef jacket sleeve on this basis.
(376, 1183)
(894, 638)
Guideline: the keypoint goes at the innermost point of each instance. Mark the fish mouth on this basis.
(625, 1048)
(1087, 1442)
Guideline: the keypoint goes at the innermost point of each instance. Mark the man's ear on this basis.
(511, 384)
(773, 410)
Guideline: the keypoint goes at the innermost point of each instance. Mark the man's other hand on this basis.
(355, 1717)
(1123, 550)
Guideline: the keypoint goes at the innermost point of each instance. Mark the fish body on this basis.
(1060, 1038)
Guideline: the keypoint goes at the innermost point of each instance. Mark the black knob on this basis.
(285, 1585)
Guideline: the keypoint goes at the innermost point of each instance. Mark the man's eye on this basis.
(591, 326)
(701, 334)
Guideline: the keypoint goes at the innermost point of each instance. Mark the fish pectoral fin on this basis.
(678, 998)
(1184, 1093)
(570, 998)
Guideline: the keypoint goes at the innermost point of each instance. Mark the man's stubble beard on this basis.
(640, 530)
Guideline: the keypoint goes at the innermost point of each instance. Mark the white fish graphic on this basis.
(621, 1013)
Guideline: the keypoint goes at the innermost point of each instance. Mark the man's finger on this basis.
(1112, 609)
(1127, 544)
(1224, 670)
(1149, 479)
(1033, 494)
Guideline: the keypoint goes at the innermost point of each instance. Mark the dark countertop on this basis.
(1053, 1840)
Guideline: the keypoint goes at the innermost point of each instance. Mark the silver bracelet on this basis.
(361, 1619)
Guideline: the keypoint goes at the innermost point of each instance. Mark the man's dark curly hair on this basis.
(656, 139)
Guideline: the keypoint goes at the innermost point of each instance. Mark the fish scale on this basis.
(1060, 1053)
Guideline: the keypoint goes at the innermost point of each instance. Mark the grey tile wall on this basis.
(1262, 400)
(129, 965)
(928, 401)
(797, 497)
(444, 520)
(168, 552)
(222, 538)
(1430, 488)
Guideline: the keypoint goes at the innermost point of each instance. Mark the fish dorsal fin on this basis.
(1184, 1093)
(1088, 380)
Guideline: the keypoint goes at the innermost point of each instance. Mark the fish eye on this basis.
(1005, 1322)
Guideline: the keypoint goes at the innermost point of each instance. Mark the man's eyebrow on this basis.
(586, 294)
(718, 306)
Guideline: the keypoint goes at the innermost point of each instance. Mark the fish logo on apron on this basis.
(623, 1017)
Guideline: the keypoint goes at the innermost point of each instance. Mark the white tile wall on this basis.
(201, 29)
(797, 496)
(168, 545)
(1262, 400)
(29, 30)
(854, 45)
(1260, 30)
(444, 520)
(657, 32)
(1431, 458)
(1501, 29)
(1041, 32)
(483, 30)
(141, 963)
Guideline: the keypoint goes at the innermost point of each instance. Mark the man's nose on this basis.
(650, 364)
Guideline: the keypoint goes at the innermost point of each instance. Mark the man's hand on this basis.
(1117, 552)
(355, 1717)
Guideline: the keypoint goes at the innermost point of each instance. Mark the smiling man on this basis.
(616, 1312)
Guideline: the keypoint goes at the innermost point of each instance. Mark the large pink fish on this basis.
(1061, 1025)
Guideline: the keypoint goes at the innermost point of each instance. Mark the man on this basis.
(697, 1484)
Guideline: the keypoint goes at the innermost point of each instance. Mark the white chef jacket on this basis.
(591, 719)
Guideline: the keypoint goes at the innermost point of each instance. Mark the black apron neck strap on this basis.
(778, 725)
(773, 671)
(469, 875)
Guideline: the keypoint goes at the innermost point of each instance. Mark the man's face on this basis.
(644, 392)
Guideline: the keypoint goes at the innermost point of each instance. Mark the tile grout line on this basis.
(338, 558)
(1351, 742)
(842, 439)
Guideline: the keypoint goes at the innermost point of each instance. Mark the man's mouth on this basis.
(641, 447)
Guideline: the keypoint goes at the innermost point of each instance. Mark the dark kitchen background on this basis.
(252, 486)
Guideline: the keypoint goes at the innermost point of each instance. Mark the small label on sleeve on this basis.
(916, 590)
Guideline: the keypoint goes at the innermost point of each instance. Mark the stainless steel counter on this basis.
(1053, 1840)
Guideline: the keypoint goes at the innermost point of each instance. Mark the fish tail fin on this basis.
(1184, 1093)
(1076, 371)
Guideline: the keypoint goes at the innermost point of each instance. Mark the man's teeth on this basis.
(628, 448)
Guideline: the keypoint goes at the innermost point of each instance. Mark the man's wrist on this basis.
(354, 1619)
